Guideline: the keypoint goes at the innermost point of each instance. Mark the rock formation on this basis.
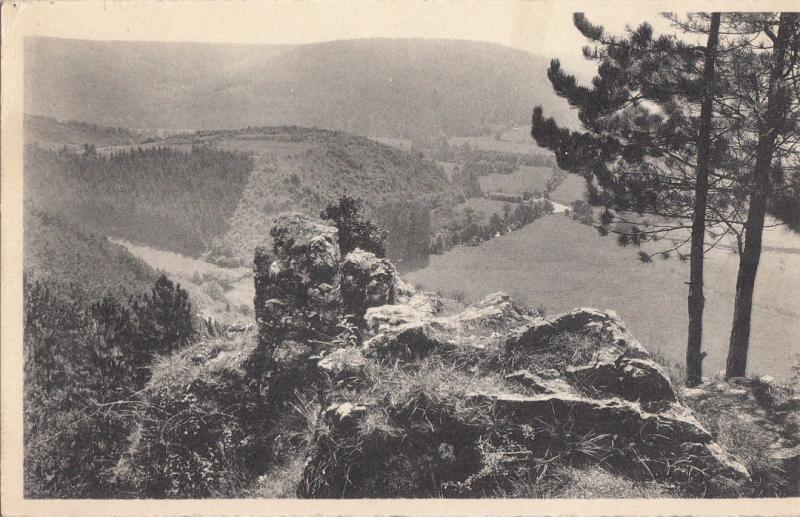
(366, 281)
(359, 385)
(425, 402)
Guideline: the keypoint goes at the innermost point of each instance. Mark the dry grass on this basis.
(440, 383)
(203, 360)
(280, 483)
(561, 350)
(675, 371)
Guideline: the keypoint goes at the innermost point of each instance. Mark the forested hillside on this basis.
(174, 199)
(373, 87)
(216, 191)
(60, 252)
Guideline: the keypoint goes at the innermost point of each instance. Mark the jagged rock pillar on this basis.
(296, 299)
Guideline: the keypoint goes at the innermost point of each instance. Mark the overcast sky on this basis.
(541, 27)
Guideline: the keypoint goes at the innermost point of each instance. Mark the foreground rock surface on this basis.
(587, 392)
(756, 411)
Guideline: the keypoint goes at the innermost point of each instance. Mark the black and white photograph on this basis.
(362, 250)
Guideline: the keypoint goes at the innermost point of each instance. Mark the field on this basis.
(530, 178)
(215, 292)
(560, 264)
(520, 144)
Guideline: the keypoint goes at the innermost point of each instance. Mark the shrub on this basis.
(84, 360)
(355, 230)
(582, 212)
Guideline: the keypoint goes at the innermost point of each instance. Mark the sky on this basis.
(541, 27)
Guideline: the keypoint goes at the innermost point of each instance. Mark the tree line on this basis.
(703, 136)
(469, 227)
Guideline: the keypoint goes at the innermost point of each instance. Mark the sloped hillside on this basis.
(171, 198)
(302, 169)
(215, 191)
(57, 251)
(376, 87)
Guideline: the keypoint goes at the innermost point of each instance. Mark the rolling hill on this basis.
(217, 190)
(47, 131)
(372, 87)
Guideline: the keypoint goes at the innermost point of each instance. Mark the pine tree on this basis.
(774, 108)
(652, 162)
(643, 160)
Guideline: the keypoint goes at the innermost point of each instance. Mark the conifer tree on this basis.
(652, 161)
(769, 110)
(644, 160)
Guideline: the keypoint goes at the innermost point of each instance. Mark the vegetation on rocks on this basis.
(85, 360)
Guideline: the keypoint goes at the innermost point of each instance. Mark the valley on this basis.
(553, 262)
(222, 293)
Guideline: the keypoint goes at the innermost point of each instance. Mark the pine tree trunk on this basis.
(694, 355)
(754, 227)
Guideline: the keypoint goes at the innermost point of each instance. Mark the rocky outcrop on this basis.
(296, 302)
(419, 401)
(373, 388)
(296, 279)
(588, 392)
(307, 295)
